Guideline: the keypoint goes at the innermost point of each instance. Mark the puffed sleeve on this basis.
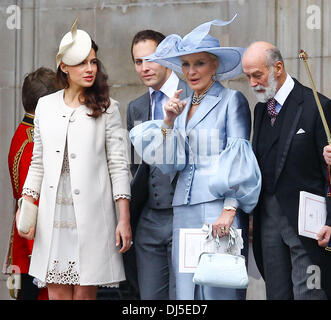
(237, 177)
(167, 153)
(117, 156)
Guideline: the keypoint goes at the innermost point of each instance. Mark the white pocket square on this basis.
(300, 131)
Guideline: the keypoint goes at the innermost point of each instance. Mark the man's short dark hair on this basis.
(36, 85)
(144, 35)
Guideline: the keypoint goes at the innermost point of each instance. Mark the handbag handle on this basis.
(235, 242)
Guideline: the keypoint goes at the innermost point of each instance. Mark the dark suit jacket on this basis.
(139, 111)
(300, 166)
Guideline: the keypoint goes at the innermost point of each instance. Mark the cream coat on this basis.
(98, 171)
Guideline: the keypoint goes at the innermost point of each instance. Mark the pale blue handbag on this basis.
(223, 270)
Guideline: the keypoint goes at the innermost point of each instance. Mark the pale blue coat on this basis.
(212, 152)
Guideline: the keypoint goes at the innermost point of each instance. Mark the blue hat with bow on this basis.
(169, 51)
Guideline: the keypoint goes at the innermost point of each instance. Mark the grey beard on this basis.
(269, 92)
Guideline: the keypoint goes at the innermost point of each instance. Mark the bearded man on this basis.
(288, 142)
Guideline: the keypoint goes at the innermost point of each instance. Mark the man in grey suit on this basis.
(152, 192)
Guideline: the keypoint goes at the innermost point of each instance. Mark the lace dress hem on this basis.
(42, 284)
(70, 276)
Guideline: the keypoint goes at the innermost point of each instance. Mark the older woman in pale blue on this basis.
(203, 141)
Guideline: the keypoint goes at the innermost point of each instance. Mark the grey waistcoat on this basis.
(160, 189)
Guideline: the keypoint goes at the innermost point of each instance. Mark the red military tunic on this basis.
(19, 159)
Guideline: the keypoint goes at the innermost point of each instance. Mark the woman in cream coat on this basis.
(79, 168)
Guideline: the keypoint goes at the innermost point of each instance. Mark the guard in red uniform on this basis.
(35, 85)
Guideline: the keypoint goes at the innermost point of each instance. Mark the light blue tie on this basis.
(158, 110)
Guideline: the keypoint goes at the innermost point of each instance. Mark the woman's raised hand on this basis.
(173, 108)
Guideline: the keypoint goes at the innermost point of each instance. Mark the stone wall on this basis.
(30, 39)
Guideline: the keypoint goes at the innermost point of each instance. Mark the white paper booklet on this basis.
(312, 214)
(192, 242)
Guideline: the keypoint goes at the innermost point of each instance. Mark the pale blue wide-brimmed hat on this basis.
(169, 51)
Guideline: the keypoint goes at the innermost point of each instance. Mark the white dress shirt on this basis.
(283, 92)
(169, 88)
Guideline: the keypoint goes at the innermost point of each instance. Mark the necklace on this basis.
(198, 98)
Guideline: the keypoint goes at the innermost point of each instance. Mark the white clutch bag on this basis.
(28, 215)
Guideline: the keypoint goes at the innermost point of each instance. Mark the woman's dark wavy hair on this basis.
(96, 97)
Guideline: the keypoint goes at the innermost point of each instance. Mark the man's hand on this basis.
(323, 237)
(327, 154)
